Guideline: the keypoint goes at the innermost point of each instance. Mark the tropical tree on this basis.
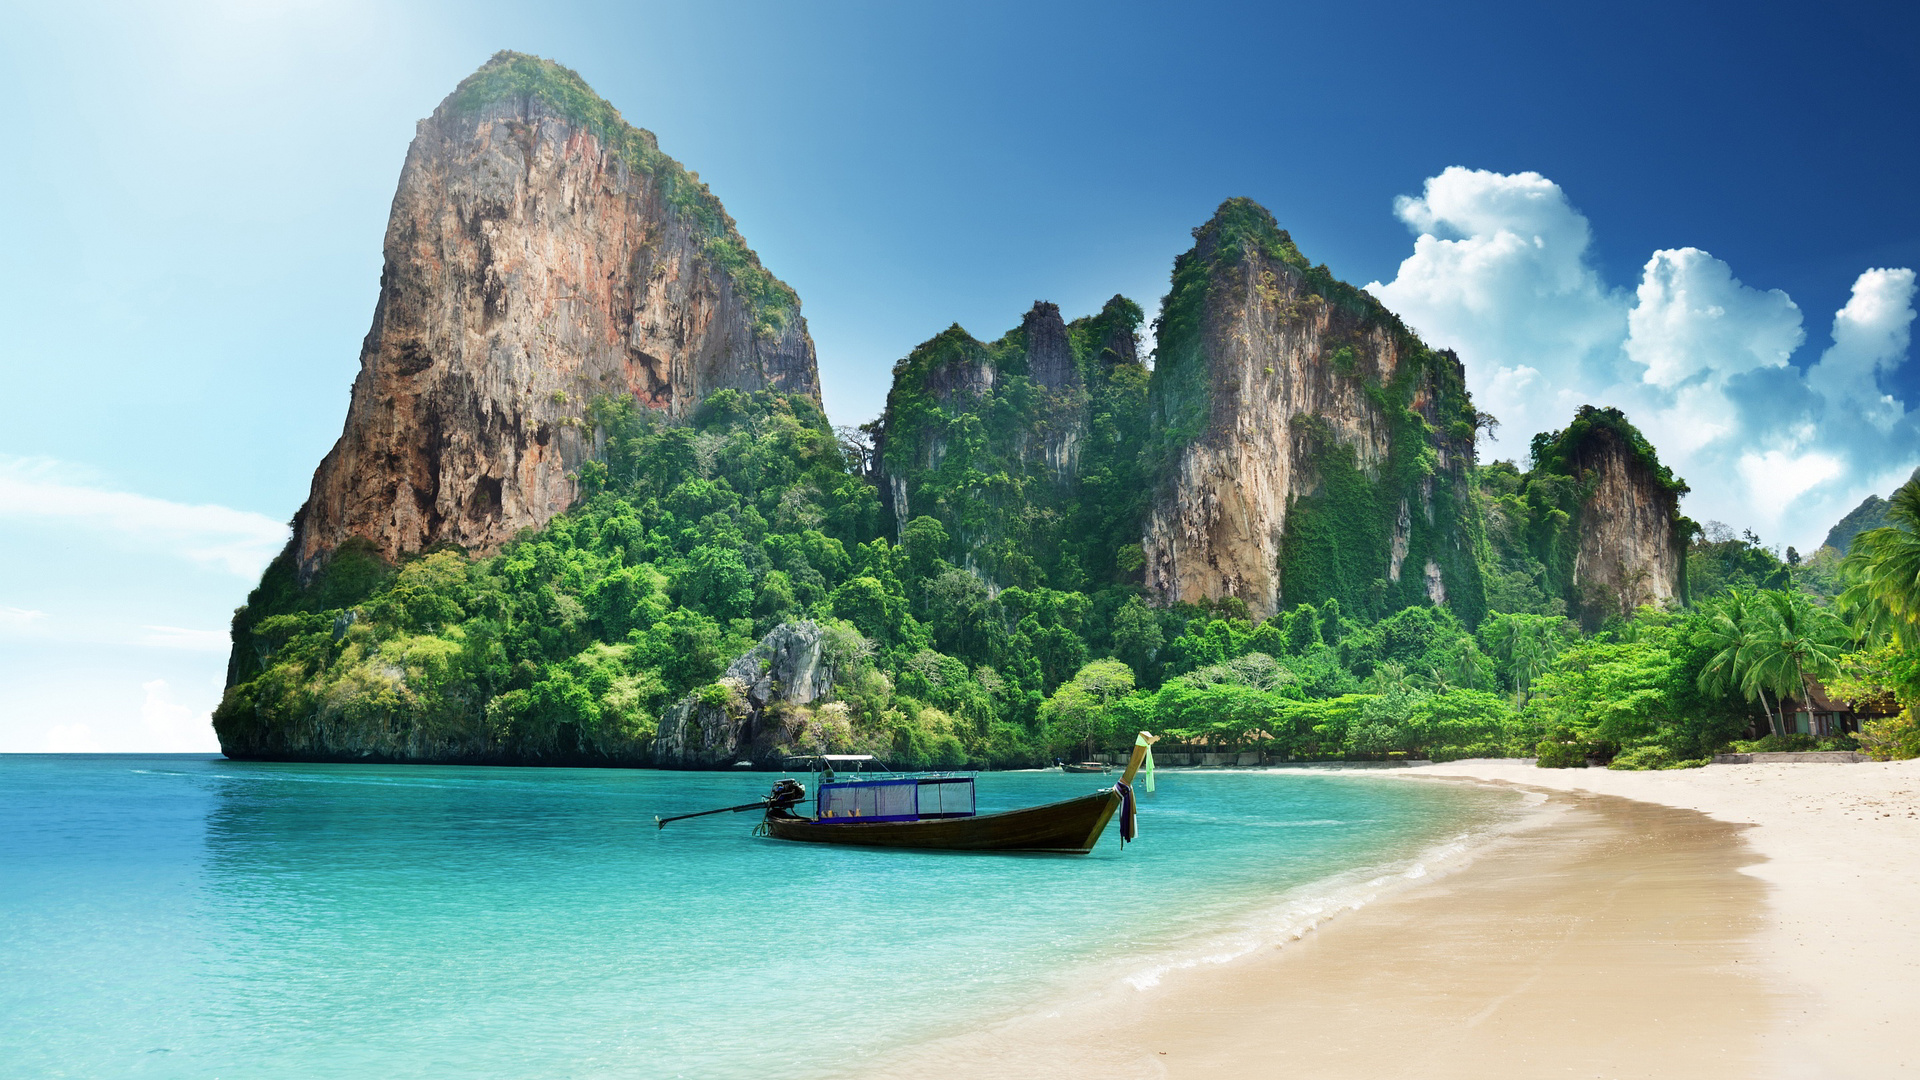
(1793, 643)
(1077, 712)
(1884, 568)
(1730, 630)
(1526, 646)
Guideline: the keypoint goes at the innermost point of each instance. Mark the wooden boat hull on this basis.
(1067, 767)
(1071, 827)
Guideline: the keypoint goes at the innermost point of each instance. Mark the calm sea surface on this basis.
(175, 916)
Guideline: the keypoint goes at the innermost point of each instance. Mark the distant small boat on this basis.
(1083, 766)
(936, 811)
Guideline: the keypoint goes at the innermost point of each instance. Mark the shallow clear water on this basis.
(173, 916)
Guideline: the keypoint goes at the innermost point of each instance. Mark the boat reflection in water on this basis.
(936, 811)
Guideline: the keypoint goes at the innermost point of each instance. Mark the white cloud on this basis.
(72, 739)
(1695, 320)
(169, 723)
(1501, 272)
(1784, 475)
(13, 618)
(239, 541)
(1870, 337)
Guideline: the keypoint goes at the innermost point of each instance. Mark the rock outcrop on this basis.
(1627, 538)
(1305, 434)
(1049, 353)
(1026, 447)
(1870, 514)
(541, 253)
(787, 668)
(1630, 554)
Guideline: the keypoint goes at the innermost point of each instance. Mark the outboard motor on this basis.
(786, 794)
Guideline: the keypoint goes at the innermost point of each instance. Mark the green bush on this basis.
(1643, 757)
(1891, 738)
(1775, 744)
(1471, 750)
(1554, 754)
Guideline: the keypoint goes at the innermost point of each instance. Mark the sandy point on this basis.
(1733, 921)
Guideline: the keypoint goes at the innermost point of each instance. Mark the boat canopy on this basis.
(911, 798)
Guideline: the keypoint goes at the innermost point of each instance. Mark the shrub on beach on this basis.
(1891, 738)
(1555, 754)
(1643, 757)
(1472, 750)
(1654, 756)
(1775, 744)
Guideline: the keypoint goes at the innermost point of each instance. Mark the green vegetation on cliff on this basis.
(979, 582)
(1351, 521)
(694, 540)
(568, 644)
(1535, 520)
(1035, 484)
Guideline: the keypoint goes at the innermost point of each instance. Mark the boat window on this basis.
(885, 799)
(946, 797)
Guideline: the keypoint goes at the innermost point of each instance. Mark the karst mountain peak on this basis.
(585, 452)
(541, 253)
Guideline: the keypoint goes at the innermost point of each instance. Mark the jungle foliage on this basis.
(696, 539)
(977, 570)
(1035, 486)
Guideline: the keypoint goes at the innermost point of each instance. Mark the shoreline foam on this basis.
(1301, 909)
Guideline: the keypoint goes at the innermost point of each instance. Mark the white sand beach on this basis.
(1840, 851)
(1733, 921)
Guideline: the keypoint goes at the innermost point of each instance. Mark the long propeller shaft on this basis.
(760, 805)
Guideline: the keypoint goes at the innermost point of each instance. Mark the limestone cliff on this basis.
(1025, 448)
(1310, 446)
(541, 252)
(1622, 542)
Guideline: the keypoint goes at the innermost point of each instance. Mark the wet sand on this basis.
(1601, 938)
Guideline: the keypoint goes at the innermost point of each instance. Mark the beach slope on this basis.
(1734, 921)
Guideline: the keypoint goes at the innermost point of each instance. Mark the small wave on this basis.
(1303, 909)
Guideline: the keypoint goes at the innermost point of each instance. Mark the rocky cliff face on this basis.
(1311, 446)
(1629, 552)
(541, 253)
(1024, 447)
(1606, 519)
(787, 668)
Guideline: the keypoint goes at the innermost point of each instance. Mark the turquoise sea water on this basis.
(177, 916)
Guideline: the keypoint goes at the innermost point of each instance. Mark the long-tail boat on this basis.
(1083, 766)
(936, 811)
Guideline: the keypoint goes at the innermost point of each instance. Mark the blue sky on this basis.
(1649, 205)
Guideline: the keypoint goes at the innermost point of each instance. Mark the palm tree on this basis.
(1391, 678)
(1793, 644)
(1884, 568)
(1470, 667)
(1731, 628)
(1528, 644)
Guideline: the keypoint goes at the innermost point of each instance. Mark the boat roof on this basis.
(845, 757)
